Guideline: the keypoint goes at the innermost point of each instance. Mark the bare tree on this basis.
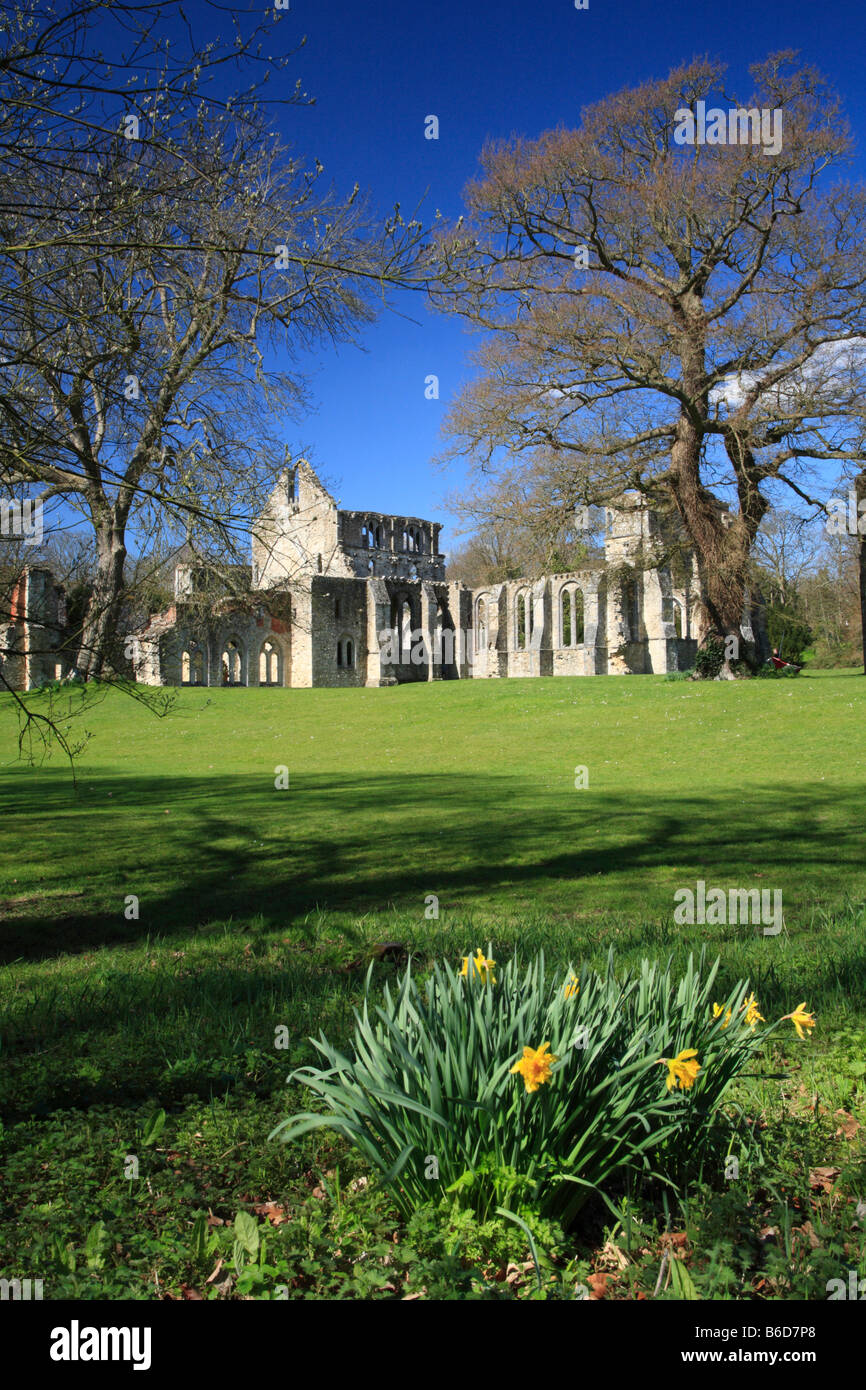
(135, 382)
(515, 534)
(830, 601)
(681, 319)
(784, 547)
(73, 74)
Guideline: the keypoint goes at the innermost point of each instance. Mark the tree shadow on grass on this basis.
(187, 1029)
(229, 849)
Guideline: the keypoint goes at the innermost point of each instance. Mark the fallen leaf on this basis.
(677, 1239)
(598, 1285)
(613, 1255)
(848, 1126)
(822, 1179)
(218, 1266)
(274, 1213)
(192, 1294)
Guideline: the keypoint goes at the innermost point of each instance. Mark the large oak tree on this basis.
(685, 321)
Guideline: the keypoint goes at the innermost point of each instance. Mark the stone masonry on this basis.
(353, 598)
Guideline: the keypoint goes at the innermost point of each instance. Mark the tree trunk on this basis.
(722, 541)
(721, 549)
(860, 494)
(99, 632)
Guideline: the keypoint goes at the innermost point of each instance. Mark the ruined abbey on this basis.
(346, 598)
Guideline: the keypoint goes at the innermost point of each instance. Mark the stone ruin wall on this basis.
(368, 588)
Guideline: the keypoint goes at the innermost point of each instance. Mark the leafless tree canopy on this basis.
(684, 320)
(158, 253)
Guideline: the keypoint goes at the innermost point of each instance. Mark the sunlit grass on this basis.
(439, 817)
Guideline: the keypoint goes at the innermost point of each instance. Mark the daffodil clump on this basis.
(549, 1077)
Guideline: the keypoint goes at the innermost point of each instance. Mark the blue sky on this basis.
(486, 68)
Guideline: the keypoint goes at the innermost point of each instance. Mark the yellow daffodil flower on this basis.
(801, 1019)
(535, 1066)
(481, 967)
(682, 1069)
(750, 1006)
(572, 988)
(717, 1010)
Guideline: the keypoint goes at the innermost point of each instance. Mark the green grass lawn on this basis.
(462, 789)
(258, 906)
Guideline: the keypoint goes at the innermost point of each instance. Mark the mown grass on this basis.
(259, 908)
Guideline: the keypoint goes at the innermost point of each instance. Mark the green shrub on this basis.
(432, 1097)
(774, 673)
(788, 633)
(709, 658)
(828, 655)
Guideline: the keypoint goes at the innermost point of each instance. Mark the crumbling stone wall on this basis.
(370, 604)
(179, 647)
(33, 630)
(296, 535)
(575, 652)
(338, 621)
(390, 547)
